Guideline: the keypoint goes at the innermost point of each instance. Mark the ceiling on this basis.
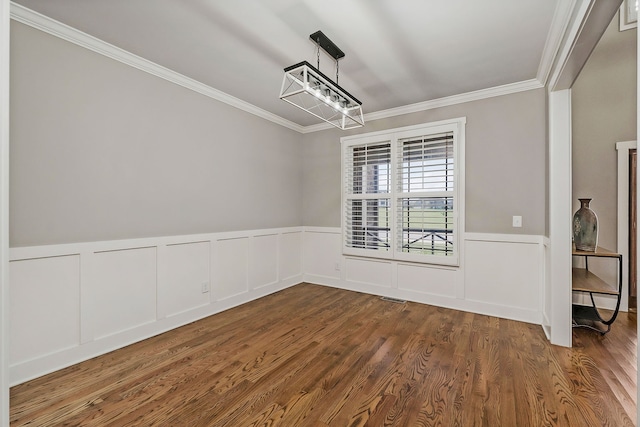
(397, 52)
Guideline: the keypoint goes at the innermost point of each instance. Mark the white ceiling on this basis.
(398, 52)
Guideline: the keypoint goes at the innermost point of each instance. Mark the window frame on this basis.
(395, 195)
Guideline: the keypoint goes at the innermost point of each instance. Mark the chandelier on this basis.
(310, 90)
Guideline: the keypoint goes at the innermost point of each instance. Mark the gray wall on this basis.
(604, 112)
(101, 151)
(505, 163)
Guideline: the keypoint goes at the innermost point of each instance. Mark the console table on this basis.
(585, 281)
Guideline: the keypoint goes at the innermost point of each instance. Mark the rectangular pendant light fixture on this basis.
(309, 89)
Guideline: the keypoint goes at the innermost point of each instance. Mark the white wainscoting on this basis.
(76, 301)
(500, 275)
(122, 293)
(183, 272)
(45, 306)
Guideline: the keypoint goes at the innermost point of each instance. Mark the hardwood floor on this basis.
(317, 356)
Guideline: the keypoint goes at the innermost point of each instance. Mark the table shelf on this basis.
(585, 281)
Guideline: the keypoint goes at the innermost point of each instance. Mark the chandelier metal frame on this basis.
(307, 88)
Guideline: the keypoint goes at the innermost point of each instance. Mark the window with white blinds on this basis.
(402, 193)
(425, 201)
(368, 183)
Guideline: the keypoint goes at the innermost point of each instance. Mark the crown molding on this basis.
(559, 24)
(457, 99)
(588, 21)
(48, 25)
(442, 102)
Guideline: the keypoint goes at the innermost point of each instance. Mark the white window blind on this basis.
(401, 194)
(368, 184)
(425, 201)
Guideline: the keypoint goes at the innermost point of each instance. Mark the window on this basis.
(402, 194)
(628, 15)
(369, 185)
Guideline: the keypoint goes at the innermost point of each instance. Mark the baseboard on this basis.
(478, 307)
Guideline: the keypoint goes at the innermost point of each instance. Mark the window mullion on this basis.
(393, 202)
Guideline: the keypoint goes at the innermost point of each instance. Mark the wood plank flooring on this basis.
(317, 356)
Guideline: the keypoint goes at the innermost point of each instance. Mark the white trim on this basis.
(558, 284)
(626, 145)
(442, 102)
(505, 238)
(41, 22)
(579, 11)
(46, 251)
(624, 22)
(559, 24)
(330, 230)
(622, 149)
(4, 211)
(446, 122)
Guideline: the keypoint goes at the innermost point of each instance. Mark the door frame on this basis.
(623, 149)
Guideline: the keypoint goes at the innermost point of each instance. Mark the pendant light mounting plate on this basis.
(327, 45)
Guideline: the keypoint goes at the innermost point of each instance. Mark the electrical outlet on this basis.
(205, 287)
(338, 266)
(517, 221)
